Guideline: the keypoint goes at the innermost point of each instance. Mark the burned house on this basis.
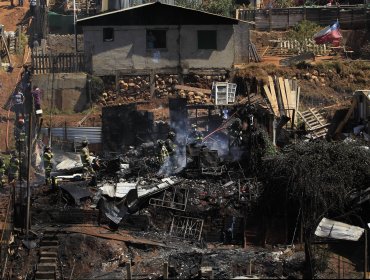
(163, 38)
(362, 111)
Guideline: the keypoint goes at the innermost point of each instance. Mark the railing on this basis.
(295, 47)
(6, 226)
(59, 63)
(282, 19)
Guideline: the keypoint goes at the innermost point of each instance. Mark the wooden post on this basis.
(270, 19)
(165, 270)
(365, 255)
(128, 270)
(338, 266)
(152, 82)
(249, 267)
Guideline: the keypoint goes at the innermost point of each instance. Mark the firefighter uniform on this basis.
(86, 160)
(13, 169)
(2, 172)
(163, 152)
(195, 136)
(48, 166)
(171, 148)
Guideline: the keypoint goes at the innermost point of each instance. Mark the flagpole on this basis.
(75, 30)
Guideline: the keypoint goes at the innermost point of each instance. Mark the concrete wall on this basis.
(70, 92)
(128, 50)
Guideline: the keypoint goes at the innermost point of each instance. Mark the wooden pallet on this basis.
(315, 122)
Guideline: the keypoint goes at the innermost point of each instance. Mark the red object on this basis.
(330, 34)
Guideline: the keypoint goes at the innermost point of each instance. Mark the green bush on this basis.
(302, 31)
(96, 87)
(365, 51)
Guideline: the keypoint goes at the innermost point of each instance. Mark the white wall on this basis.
(128, 50)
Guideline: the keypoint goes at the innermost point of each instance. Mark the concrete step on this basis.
(45, 275)
(46, 267)
(48, 254)
(49, 243)
(48, 259)
(49, 248)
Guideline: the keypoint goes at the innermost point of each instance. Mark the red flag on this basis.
(330, 34)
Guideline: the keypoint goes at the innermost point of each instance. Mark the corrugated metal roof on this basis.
(364, 92)
(337, 230)
(92, 134)
(156, 13)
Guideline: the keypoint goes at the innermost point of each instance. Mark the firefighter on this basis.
(235, 133)
(2, 172)
(163, 152)
(20, 134)
(48, 166)
(171, 148)
(86, 159)
(195, 137)
(13, 171)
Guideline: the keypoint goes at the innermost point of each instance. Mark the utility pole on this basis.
(74, 24)
(30, 124)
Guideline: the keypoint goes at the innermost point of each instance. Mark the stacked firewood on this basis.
(195, 97)
(164, 85)
(129, 86)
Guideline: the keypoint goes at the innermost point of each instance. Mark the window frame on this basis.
(165, 30)
(214, 31)
(105, 29)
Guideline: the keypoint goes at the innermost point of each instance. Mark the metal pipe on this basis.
(30, 120)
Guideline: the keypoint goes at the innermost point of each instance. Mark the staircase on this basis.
(47, 266)
(315, 123)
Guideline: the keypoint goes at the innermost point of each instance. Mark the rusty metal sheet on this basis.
(337, 230)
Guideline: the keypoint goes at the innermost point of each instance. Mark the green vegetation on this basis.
(365, 52)
(302, 31)
(96, 87)
(317, 177)
(221, 7)
(284, 3)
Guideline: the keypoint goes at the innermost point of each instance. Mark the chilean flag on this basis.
(330, 34)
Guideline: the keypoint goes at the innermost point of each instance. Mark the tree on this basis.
(192, 4)
(221, 7)
(302, 31)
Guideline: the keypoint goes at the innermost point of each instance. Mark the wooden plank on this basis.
(297, 102)
(346, 118)
(283, 95)
(271, 100)
(274, 103)
(183, 87)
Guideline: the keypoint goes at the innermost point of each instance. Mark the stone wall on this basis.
(64, 43)
(68, 91)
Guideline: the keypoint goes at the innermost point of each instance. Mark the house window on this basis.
(108, 34)
(207, 39)
(156, 39)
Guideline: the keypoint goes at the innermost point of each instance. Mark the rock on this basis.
(315, 72)
(131, 85)
(322, 80)
(130, 80)
(191, 93)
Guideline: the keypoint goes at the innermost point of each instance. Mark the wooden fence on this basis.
(282, 19)
(59, 63)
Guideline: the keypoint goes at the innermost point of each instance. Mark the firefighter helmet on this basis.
(171, 135)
